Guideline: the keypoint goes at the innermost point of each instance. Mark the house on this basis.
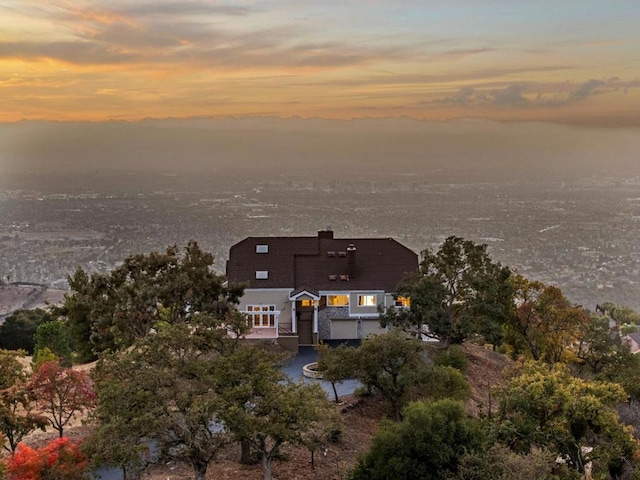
(633, 340)
(301, 290)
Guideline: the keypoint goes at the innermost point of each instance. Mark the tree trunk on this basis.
(335, 392)
(245, 452)
(266, 466)
(200, 469)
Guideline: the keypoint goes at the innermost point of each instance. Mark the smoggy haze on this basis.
(261, 148)
(568, 61)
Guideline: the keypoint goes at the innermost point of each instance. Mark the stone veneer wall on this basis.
(324, 320)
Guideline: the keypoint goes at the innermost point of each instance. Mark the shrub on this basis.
(452, 357)
(58, 460)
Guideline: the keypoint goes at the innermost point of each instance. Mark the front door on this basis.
(305, 325)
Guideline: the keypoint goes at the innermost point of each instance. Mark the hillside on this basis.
(361, 418)
(16, 297)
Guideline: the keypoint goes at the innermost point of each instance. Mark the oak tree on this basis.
(457, 291)
(550, 408)
(108, 312)
(391, 364)
(164, 388)
(545, 322)
(336, 364)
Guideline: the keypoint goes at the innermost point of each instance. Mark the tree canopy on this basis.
(543, 407)
(163, 388)
(426, 445)
(457, 291)
(18, 329)
(108, 312)
(544, 323)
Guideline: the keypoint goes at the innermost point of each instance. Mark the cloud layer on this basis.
(125, 59)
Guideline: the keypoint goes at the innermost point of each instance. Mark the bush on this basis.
(426, 445)
(58, 460)
(500, 463)
(452, 357)
(444, 382)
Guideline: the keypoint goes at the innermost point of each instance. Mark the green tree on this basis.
(550, 408)
(76, 309)
(544, 322)
(54, 336)
(457, 291)
(600, 350)
(18, 330)
(392, 364)
(336, 364)
(324, 429)
(17, 416)
(619, 313)
(264, 410)
(111, 311)
(426, 445)
(164, 388)
(114, 445)
(277, 414)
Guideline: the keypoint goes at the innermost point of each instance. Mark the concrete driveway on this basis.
(308, 355)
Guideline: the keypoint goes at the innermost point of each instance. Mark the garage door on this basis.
(343, 330)
(371, 327)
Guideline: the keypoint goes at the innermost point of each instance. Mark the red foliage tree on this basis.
(58, 460)
(60, 393)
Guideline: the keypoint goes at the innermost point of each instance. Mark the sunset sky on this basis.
(570, 61)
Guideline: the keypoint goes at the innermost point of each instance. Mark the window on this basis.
(307, 303)
(262, 248)
(262, 316)
(262, 274)
(338, 300)
(402, 302)
(367, 301)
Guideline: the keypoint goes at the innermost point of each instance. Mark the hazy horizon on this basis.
(477, 149)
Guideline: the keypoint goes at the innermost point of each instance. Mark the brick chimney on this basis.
(325, 234)
(351, 261)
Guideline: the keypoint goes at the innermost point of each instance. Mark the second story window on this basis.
(338, 300)
(367, 301)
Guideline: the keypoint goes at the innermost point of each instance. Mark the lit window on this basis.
(307, 303)
(262, 316)
(262, 274)
(262, 248)
(403, 302)
(338, 300)
(367, 300)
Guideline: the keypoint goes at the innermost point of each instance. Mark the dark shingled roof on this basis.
(322, 262)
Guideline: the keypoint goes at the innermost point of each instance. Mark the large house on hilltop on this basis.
(301, 290)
